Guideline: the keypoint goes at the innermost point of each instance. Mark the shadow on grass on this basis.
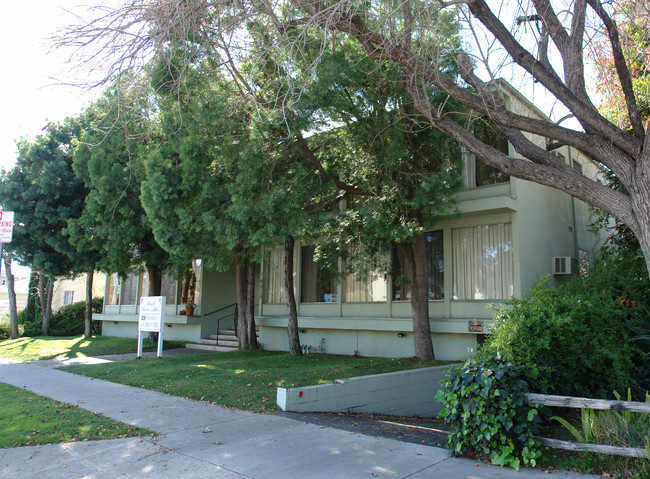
(49, 347)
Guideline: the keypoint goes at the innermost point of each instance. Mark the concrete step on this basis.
(222, 342)
(206, 347)
(223, 336)
(227, 342)
(228, 335)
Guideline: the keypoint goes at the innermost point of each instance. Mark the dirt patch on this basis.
(428, 432)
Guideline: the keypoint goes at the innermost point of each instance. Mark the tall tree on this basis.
(191, 171)
(237, 185)
(13, 310)
(44, 193)
(110, 159)
(545, 46)
(407, 172)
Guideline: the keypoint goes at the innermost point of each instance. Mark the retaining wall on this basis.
(404, 393)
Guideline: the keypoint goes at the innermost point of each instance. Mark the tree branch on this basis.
(583, 110)
(621, 68)
(563, 178)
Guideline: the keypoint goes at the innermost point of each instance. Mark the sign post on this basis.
(152, 313)
(6, 230)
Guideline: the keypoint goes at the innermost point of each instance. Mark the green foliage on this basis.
(5, 329)
(70, 320)
(613, 428)
(573, 333)
(402, 168)
(587, 418)
(113, 229)
(32, 329)
(484, 403)
(44, 193)
(234, 177)
(634, 30)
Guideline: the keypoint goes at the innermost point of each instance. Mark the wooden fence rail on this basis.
(598, 404)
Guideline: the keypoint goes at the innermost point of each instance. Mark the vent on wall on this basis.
(565, 265)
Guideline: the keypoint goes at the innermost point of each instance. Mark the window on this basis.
(168, 288)
(401, 287)
(68, 297)
(483, 262)
(275, 292)
(113, 290)
(366, 288)
(317, 285)
(197, 268)
(188, 285)
(435, 264)
(577, 166)
(130, 289)
(478, 173)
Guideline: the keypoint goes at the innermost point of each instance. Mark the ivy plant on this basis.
(485, 404)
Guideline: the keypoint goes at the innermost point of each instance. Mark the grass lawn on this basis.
(241, 379)
(27, 419)
(50, 347)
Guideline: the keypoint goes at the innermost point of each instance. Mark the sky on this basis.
(32, 76)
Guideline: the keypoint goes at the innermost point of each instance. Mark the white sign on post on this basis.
(6, 226)
(152, 314)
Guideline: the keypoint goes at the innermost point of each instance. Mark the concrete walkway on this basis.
(197, 440)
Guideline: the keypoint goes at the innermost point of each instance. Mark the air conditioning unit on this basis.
(565, 265)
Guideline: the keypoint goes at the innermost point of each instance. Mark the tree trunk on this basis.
(13, 310)
(640, 195)
(155, 282)
(292, 324)
(245, 279)
(415, 257)
(242, 299)
(251, 329)
(45, 291)
(88, 315)
(32, 308)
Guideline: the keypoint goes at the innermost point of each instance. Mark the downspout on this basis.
(575, 214)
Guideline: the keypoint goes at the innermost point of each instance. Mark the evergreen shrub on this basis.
(70, 320)
(30, 328)
(576, 336)
(5, 329)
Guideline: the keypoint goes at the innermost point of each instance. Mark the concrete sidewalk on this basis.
(197, 440)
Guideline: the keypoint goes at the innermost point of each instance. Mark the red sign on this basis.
(475, 327)
(6, 226)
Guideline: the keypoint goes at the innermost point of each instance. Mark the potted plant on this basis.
(189, 308)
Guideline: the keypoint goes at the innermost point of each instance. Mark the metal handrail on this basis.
(218, 320)
(220, 309)
(224, 317)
